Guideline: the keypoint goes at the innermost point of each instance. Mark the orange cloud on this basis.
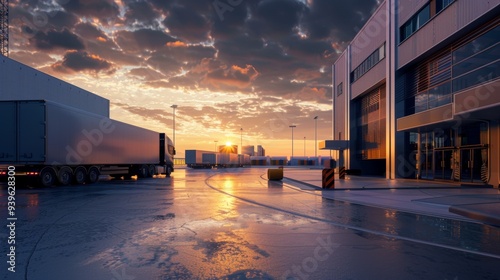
(176, 44)
(233, 76)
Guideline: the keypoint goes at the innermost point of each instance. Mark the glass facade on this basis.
(457, 154)
(432, 83)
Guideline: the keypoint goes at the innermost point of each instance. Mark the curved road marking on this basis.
(388, 235)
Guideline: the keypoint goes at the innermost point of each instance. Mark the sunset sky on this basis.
(227, 64)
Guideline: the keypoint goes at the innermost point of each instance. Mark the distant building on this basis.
(416, 92)
(261, 151)
(228, 149)
(248, 150)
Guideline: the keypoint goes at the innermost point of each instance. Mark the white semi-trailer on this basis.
(56, 143)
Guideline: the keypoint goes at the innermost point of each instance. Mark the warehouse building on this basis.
(416, 92)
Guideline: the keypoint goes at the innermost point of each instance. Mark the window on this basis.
(476, 45)
(381, 52)
(340, 89)
(462, 65)
(442, 4)
(476, 61)
(368, 63)
(414, 23)
(422, 17)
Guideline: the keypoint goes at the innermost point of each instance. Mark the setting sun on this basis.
(229, 144)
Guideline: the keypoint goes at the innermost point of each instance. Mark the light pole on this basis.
(174, 107)
(316, 136)
(216, 145)
(292, 126)
(241, 141)
(304, 146)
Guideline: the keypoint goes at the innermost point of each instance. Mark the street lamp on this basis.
(216, 145)
(292, 126)
(174, 107)
(316, 136)
(241, 141)
(304, 146)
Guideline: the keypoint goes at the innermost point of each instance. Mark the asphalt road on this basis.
(231, 224)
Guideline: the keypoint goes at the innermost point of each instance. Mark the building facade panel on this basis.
(468, 11)
(373, 77)
(441, 26)
(407, 8)
(370, 37)
(479, 98)
(341, 88)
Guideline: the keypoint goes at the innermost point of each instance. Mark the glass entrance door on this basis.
(473, 164)
(444, 163)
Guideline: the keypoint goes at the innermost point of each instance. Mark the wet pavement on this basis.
(475, 203)
(234, 224)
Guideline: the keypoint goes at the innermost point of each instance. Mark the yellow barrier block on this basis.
(275, 174)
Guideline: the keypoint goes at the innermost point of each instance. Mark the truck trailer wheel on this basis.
(169, 171)
(93, 175)
(65, 175)
(151, 170)
(142, 172)
(48, 177)
(80, 175)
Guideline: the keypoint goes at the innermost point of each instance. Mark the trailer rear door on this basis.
(31, 119)
(8, 139)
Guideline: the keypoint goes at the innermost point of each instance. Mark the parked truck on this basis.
(207, 159)
(56, 143)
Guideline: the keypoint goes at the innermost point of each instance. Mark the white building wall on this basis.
(339, 111)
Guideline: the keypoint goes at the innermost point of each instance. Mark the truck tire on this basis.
(65, 175)
(93, 175)
(168, 171)
(142, 172)
(47, 177)
(80, 175)
(151, 170)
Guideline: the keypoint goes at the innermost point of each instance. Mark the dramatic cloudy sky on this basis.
(260, 65)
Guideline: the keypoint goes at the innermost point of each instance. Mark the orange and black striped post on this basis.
(328, 178)
(342, 172)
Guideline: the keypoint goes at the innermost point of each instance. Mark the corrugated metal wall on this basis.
(455, 17)
(370, 37)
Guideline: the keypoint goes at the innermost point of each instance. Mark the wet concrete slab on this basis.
(440, 199)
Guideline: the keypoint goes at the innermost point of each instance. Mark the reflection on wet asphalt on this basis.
(232, 224)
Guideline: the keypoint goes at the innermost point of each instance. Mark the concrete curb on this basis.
(488, 213)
